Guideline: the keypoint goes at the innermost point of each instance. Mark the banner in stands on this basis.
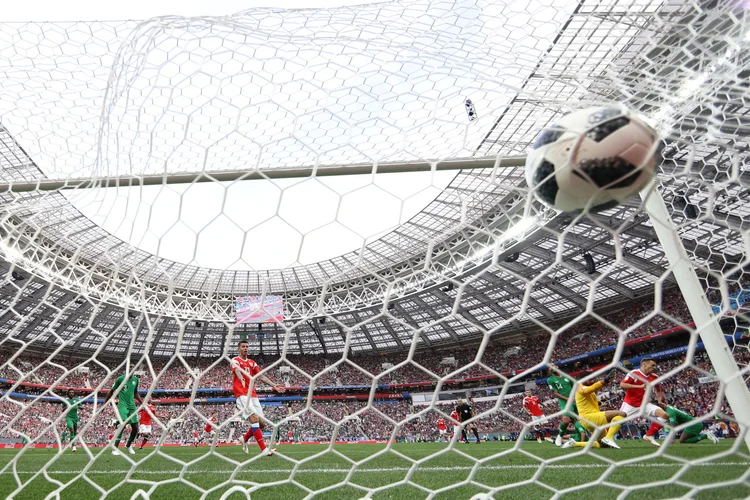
(607, 350)
(53, 446)
(661, 355)
(736, 300)
(739, 335)
(265, 400)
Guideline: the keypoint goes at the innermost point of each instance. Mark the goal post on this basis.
(706, 323)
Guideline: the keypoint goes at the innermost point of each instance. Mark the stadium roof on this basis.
(478, 258)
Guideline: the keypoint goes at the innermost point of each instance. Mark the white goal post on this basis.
(706, 322)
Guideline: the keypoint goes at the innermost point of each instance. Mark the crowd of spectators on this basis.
(38, 419)
(692, 389)
(503, 357)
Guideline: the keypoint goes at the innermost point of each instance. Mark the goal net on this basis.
(343, 192)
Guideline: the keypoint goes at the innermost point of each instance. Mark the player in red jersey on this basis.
(635, 384)
(532, 407)
(196, 438)
(442, 429)
(208, 429)
(144, 423)
(454, 421)
(243, 372)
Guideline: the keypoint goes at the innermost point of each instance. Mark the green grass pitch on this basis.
(187, 472)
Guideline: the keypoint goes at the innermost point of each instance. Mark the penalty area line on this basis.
(385, 469)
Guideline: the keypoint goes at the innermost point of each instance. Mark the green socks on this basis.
(132, 437)
(699, 437)
(580, 431)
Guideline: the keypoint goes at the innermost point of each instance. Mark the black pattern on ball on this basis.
(548, 136)
(605, 171)
(603, 115)
(659, 153)
(545, 182)
(603, 130)
(604, 206)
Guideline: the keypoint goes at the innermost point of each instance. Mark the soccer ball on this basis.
(481, 496)
(594, 158)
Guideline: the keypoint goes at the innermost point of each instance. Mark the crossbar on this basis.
(492, 162)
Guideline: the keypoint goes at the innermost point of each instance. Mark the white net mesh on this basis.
(403, 292)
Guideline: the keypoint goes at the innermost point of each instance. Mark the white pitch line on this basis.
(386, 469)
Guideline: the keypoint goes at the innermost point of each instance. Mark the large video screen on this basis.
(257, 309)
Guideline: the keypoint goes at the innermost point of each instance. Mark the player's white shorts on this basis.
(443, 431)
(634, 410)
(456, 428)
(537, 418)
(210, 433)
(144, 429)
(248, 406)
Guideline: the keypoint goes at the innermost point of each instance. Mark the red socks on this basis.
(259, 438)
(653, 429)
(257, 434)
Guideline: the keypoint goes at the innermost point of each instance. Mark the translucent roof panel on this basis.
(262, 89)
(277, 89)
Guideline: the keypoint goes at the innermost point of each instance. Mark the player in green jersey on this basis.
(561, 386)
(71, 417)
(692, 433)
(126, 408)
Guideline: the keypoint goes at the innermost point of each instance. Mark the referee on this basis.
(465, 413)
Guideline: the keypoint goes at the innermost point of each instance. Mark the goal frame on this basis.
(486, 162)
(706, 325)
(727, 370)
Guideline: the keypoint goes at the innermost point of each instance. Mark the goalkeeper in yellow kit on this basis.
(592, 418)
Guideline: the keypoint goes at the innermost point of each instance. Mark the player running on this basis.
(532, 407)
(465, 413)
(592, 418)
(692, 433)
(441, 427)
(243, 371)
(144, 423)
(208, 429)
(71, 418)
(561, 386)
(454, 421)
(634, 384)
(126, 408)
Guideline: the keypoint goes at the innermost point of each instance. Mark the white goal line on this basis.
(388, 469)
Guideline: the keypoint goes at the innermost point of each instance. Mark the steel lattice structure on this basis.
(413, 277)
